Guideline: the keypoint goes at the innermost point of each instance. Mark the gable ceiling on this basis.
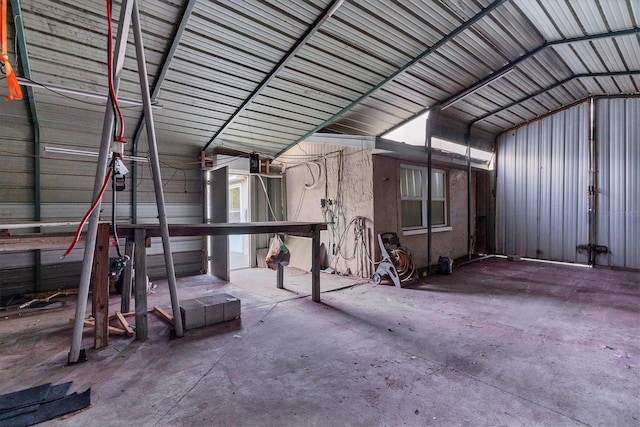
(262, 75)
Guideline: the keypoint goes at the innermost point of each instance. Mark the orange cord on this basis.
(15, 92)
(112, 91)
(76, 237)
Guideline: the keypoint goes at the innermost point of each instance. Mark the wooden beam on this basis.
(31, 242)
(140, 259)
(100, 284)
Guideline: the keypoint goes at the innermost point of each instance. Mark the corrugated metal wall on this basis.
(67, 183)
(542, 172)
(618, 136)
(542, 181)
(16, 190)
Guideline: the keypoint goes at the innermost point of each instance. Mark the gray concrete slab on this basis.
(496, 343)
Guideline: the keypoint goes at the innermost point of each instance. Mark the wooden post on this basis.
(126, 278)
(140, 259)
(100, 284)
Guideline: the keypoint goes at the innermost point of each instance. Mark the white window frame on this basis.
(424, 200)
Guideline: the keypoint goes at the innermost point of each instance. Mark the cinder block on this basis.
(213, 310)
(231, 307)
(193, 313)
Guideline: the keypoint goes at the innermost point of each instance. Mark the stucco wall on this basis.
(352, 197)
(387, 211)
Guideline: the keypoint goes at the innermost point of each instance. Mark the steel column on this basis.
(467, 138)
(166, 63)
(155, 168)
(433, 116)
(101, 170)
(593, 182)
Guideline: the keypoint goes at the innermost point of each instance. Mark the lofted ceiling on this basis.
(263, 75)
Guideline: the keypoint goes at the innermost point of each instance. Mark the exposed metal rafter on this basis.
(555, 85)
(480, 15)
(23, 54)
(326, 14)
(505, 69)
(573, 104)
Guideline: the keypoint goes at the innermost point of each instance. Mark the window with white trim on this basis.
(414, 197)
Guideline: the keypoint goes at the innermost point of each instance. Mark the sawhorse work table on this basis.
(138, 233)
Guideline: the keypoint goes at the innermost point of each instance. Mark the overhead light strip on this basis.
(81, 153)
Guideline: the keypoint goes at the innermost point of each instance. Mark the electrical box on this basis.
(254, 163)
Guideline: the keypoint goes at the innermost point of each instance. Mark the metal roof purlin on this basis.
(500, 72)
(165, 68)
(484, 12)
(555, 85)
(326, 14)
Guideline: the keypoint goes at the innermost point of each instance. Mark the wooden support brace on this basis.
(90, 323)
(162, 314)
(124, 324)
(128, 314)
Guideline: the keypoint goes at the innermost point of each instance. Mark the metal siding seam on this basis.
(533, 201)
(617, 184)
(499, 190)
(633, 184)
(520, 196)
(511, 202)
(582, 226)
(545, 181)
(602, 125)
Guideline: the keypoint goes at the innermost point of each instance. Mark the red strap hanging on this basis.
(12, 82)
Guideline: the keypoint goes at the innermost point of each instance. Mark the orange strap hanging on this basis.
(12, 81)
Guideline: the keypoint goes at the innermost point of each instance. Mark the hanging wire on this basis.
(95, 203)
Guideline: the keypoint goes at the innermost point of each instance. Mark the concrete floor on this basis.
(496, 343)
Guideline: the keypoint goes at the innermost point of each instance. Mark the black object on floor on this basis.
(41, 403)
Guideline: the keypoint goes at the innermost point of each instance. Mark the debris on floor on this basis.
(33, 300)
(41, 403)
(44, 298)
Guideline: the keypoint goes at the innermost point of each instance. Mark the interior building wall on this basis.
(451, 243)
(343, 175)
